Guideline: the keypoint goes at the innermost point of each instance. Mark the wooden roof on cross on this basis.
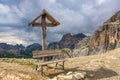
(52, 22)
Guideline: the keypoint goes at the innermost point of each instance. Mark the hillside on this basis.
(105, 38)
(97, 67)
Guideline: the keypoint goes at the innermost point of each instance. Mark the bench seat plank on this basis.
(50, 62)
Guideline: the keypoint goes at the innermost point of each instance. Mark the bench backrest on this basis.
(42, 53)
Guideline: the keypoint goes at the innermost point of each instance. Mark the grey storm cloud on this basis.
(75, 16)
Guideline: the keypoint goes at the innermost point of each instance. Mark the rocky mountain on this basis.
(18, 50)
(105, 38)
(32, 47)
(67, 41)
(10, 50)
(53, 45)
(5, 46)
(82, 47)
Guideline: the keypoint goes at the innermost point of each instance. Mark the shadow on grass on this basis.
(98, 74)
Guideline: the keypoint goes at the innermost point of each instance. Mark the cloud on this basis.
(79, 15)
(4, 9)
(13, 35)
(6, 38)
(9, 37)
(75, 16)
(8, 15)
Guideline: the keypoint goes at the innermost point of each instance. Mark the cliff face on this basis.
(67, 41)
(82, 47)
(107, 37)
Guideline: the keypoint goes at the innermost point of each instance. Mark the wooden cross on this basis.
(43, 24)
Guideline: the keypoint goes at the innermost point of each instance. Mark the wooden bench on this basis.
(57, 55)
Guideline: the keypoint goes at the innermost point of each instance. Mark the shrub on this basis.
(68, 52)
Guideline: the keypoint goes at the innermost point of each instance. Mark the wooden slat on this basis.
(45, 55)
(35, 24)
(46, 51)
(50, 62)
(52, 24)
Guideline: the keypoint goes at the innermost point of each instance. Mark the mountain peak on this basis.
(114, 18)
(67, 41)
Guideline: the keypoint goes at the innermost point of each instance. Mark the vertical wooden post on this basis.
(43, 33)
(43, 21)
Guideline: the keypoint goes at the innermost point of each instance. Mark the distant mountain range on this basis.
(8, 50)
(67, 41)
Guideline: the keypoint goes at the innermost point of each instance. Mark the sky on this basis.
(75, 16)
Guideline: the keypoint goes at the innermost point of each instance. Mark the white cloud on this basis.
(4, 9)
(13, 35)
(7, 38)
(7, 15)
(101, 1)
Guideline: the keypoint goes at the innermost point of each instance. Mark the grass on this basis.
(27, 62)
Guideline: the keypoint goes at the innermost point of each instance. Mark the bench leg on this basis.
(42, 70)
(36, 68)
(56, 64)
(63, 65)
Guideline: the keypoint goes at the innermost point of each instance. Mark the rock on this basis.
(72, 76)
(55, 78)
(65, 77)
(91, 75)
(83, 43)
(69, 73)
(82, 47)
(79, 75)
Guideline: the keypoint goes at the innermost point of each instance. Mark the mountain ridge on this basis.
(18, 50)
(67, 41)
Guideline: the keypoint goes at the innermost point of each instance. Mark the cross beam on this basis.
(43, 24)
